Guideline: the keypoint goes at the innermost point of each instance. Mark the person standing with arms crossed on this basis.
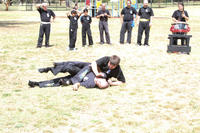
(145, 15)
(45, 24)
(103, 15)
(127, 15)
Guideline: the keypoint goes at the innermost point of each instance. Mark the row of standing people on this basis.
(127, 14)
(143, 20)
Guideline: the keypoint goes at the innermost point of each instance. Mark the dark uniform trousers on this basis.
(72, 67)
(103, 25)
(143, 26)
(126, 26)
(89, 34)
(72, 37)
(75, 79)
(44, 29)
(53, 82)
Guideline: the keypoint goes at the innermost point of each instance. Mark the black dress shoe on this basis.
(38, 46)
(32, 84)
(44, 70)
(139, 44)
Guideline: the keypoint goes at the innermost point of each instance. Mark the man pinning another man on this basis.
(45, 24)
(145, 15)
(109, 67)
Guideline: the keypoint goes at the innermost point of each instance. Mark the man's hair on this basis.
(114, 60)
(85, 10)
(73, 12)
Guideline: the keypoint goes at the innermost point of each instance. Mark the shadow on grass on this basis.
(12, 24)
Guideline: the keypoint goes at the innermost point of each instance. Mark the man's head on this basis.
(44, 6)
(103, 7)
(145, 3)
(101, 83)
(85, 11)
(73, 12)
(114, 62)
(181, 6)
(128, 4)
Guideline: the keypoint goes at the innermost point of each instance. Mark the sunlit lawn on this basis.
(161, 94)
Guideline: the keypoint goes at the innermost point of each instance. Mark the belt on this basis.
(144, 20)
(45, 22)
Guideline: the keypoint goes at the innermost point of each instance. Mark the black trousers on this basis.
(53, 82)
(72, 37)
(44, 29)
(103, 26)
(126, 26)
(74, 79)
(72, 67)
(143, 26)
(89, 34)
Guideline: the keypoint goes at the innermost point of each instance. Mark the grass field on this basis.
(162, 93)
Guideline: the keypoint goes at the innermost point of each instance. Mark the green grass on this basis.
(161, 94)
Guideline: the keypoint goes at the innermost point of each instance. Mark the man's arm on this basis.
(99, 14)
(115, 83)
(53, 15)
(185, 15)
(79, 13)
(38, 6)
(121, 18)
(150, 23)
(138, 19)
(173, 19)
(94, 68)
(68, 15)
(108, 14)
(76, 86)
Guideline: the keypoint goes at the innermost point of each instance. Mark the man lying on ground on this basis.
(85, 77)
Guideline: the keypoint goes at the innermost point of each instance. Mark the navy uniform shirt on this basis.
(104, 18)
(45, 15)
(86, 21)
(73, 21)
(88, 80)
(102, 63)
(145, 13)
(128, 13)
(178, 15)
